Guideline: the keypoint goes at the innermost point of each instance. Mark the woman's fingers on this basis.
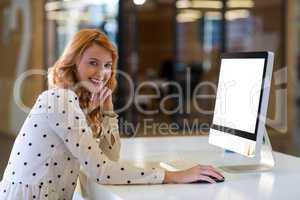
(104, 93)
(103, 89)
(98, 88)
(207, 172)
(194, 174)
(209, 167)
(107, 94)
(100, 95)
(95, 99)
(206, 178)
(96, 92)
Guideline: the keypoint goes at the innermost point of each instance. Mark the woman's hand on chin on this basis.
(196, 173)
(102, 98)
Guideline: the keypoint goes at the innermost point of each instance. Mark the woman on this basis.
(73, 124)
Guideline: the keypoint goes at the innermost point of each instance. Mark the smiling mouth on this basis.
(96, 81)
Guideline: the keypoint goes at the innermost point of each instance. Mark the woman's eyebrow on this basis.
(94, 58)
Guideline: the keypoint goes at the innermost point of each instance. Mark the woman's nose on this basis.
(100, 73)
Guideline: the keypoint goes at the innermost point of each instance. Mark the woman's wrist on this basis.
(171, 177)
(110, 114)
(108, 107)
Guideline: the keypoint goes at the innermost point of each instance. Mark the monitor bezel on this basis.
(247, 55)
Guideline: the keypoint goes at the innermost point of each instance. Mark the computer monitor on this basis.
(242, 101)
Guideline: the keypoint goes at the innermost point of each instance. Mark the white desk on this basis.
(282, 183)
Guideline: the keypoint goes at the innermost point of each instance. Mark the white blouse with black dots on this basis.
(54, 141)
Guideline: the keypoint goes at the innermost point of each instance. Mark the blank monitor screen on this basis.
(238, 95)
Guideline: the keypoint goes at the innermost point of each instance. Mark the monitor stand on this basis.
(263, 160)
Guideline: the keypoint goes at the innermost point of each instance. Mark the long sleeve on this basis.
(109, 142)
(68, 121)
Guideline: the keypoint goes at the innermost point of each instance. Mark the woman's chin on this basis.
(93, 88)
(88, 87)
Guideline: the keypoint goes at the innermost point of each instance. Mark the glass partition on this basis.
(206, 28)
(171, 50)
(64, 18)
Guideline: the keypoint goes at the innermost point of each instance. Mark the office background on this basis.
(158, 41)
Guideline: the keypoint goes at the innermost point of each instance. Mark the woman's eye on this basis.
(93, 63)
(108, 65)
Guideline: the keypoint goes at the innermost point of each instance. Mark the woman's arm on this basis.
(110, 138)
(72, 128)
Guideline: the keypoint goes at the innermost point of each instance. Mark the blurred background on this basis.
(158, 41)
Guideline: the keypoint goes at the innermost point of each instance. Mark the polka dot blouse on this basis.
(52, 145)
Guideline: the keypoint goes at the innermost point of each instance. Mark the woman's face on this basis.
(94, 67)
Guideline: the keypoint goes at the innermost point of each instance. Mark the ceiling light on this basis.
(237, 14)
(183, 4)
(139, 2)
(240, 4)
(188, 16)
(207, 4)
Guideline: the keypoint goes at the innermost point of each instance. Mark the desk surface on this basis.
(282, 183)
